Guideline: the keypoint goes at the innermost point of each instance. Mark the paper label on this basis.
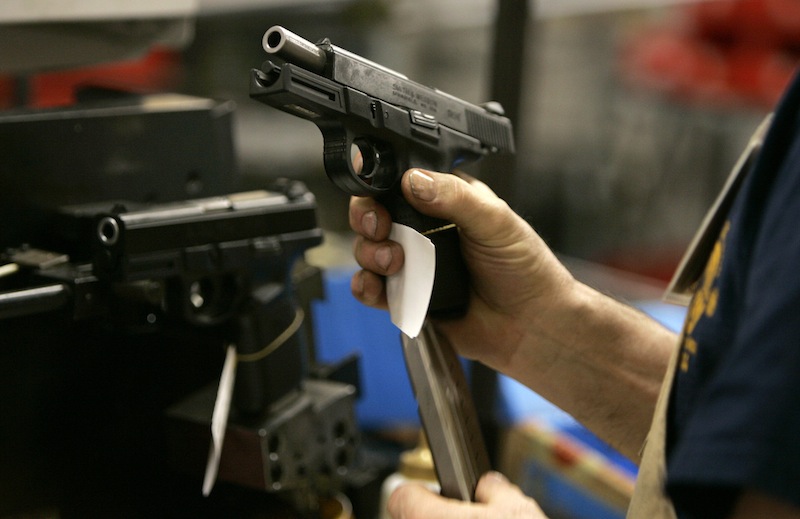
(219, 418)
(409, 290)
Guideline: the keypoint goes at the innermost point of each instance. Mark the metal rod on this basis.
(294, 49)
(32, 301)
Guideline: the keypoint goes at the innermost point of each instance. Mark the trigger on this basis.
(372, 163)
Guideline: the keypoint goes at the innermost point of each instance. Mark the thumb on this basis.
(499, 493)
(463, 200)
(493, 487)
(414, 501)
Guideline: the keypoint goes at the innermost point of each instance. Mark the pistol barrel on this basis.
(294, 49)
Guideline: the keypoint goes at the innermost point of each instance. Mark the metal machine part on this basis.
(203, 273)
(306, 440)
(135, 148)
(218, 233)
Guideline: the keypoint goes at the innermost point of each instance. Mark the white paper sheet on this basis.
(409, 291)
(219, 418)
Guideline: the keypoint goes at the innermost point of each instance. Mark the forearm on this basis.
(596, 358)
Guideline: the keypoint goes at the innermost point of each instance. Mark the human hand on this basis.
(514, 275)
(527, 317)
(495, 496)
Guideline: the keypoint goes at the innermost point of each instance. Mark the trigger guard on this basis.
(340, 169)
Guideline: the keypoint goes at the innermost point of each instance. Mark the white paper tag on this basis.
(219, 418)
(409, 291)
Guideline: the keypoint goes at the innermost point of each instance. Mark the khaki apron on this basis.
(649, 500)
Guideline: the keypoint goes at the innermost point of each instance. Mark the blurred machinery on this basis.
(116, 311)
(129, 263)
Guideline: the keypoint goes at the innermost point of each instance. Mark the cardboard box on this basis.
(568, 478)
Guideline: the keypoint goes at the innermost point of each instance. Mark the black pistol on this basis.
(376, 124)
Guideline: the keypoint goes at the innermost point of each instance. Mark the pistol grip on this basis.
(450, 295)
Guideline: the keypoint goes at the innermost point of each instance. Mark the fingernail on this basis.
(369, 222)
(357, 283)
(423, 187)
(383, 257)
(500, 478)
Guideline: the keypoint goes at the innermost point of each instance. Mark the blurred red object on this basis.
(157, 71)
(769, 23)
(7, 92)
(682, 68)
(718, 53)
